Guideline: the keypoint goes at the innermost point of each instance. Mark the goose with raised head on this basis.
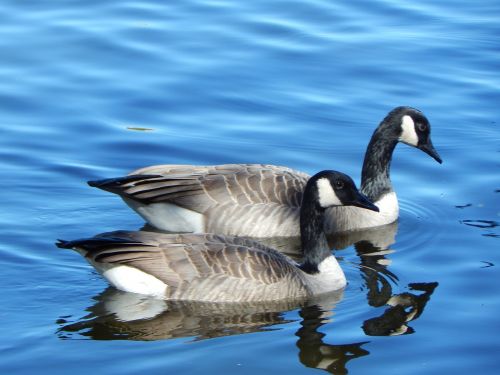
(216, 268)
(258, 200)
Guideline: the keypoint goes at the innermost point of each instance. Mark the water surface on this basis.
(97, 89)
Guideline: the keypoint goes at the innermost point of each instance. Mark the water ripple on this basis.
(296, 83)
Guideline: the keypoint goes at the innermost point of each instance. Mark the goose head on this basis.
(331, 188)
(412, 128)
(323, 190)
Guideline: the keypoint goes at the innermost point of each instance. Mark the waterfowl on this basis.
(217, 268)
(258, 200)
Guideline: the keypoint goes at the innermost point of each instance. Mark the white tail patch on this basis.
(169, 217)
(408, 135)
(327, 196)
(130, 279)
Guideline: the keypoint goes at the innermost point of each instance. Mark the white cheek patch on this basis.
(409, 135)
(327, 196)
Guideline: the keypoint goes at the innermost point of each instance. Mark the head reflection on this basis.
(378, 279)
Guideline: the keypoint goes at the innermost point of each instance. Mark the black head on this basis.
(332, 188)
(413, 129)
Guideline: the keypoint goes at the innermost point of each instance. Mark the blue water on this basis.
(98, 88)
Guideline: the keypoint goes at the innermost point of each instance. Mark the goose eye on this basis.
(421, 126)
(339, 184)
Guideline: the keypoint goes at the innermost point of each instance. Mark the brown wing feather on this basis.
(199, 188)
(177, 259)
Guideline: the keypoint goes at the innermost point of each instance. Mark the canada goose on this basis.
(263, 200)
(214, 268)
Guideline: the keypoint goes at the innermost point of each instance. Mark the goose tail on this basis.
(118, 185)
(96, 243)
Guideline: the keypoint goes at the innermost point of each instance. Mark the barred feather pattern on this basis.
(235, 199)
(204, 267)
(254, 200)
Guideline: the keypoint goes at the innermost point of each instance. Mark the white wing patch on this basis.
(408, 136)
(327, 196)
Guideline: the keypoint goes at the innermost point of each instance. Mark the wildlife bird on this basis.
(217, 268)
(258, 200)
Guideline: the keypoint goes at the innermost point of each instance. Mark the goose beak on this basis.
(429, 149)
(361, 201)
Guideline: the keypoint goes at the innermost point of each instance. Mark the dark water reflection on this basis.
(119, 315)
(314, 352)
(403, 307)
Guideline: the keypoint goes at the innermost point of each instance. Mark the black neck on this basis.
(375, 178)
(313, 237)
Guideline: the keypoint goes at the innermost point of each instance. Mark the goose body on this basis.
(259, 200)
(218, 268)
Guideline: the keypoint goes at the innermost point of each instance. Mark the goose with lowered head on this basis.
(217, 268)
(258, 200)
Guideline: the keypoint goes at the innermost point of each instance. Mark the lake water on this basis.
(96, 89)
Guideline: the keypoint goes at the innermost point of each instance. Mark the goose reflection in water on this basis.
(403, 307)
(129, 316)
(119, 315)
(314, 352)
(372, 246)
